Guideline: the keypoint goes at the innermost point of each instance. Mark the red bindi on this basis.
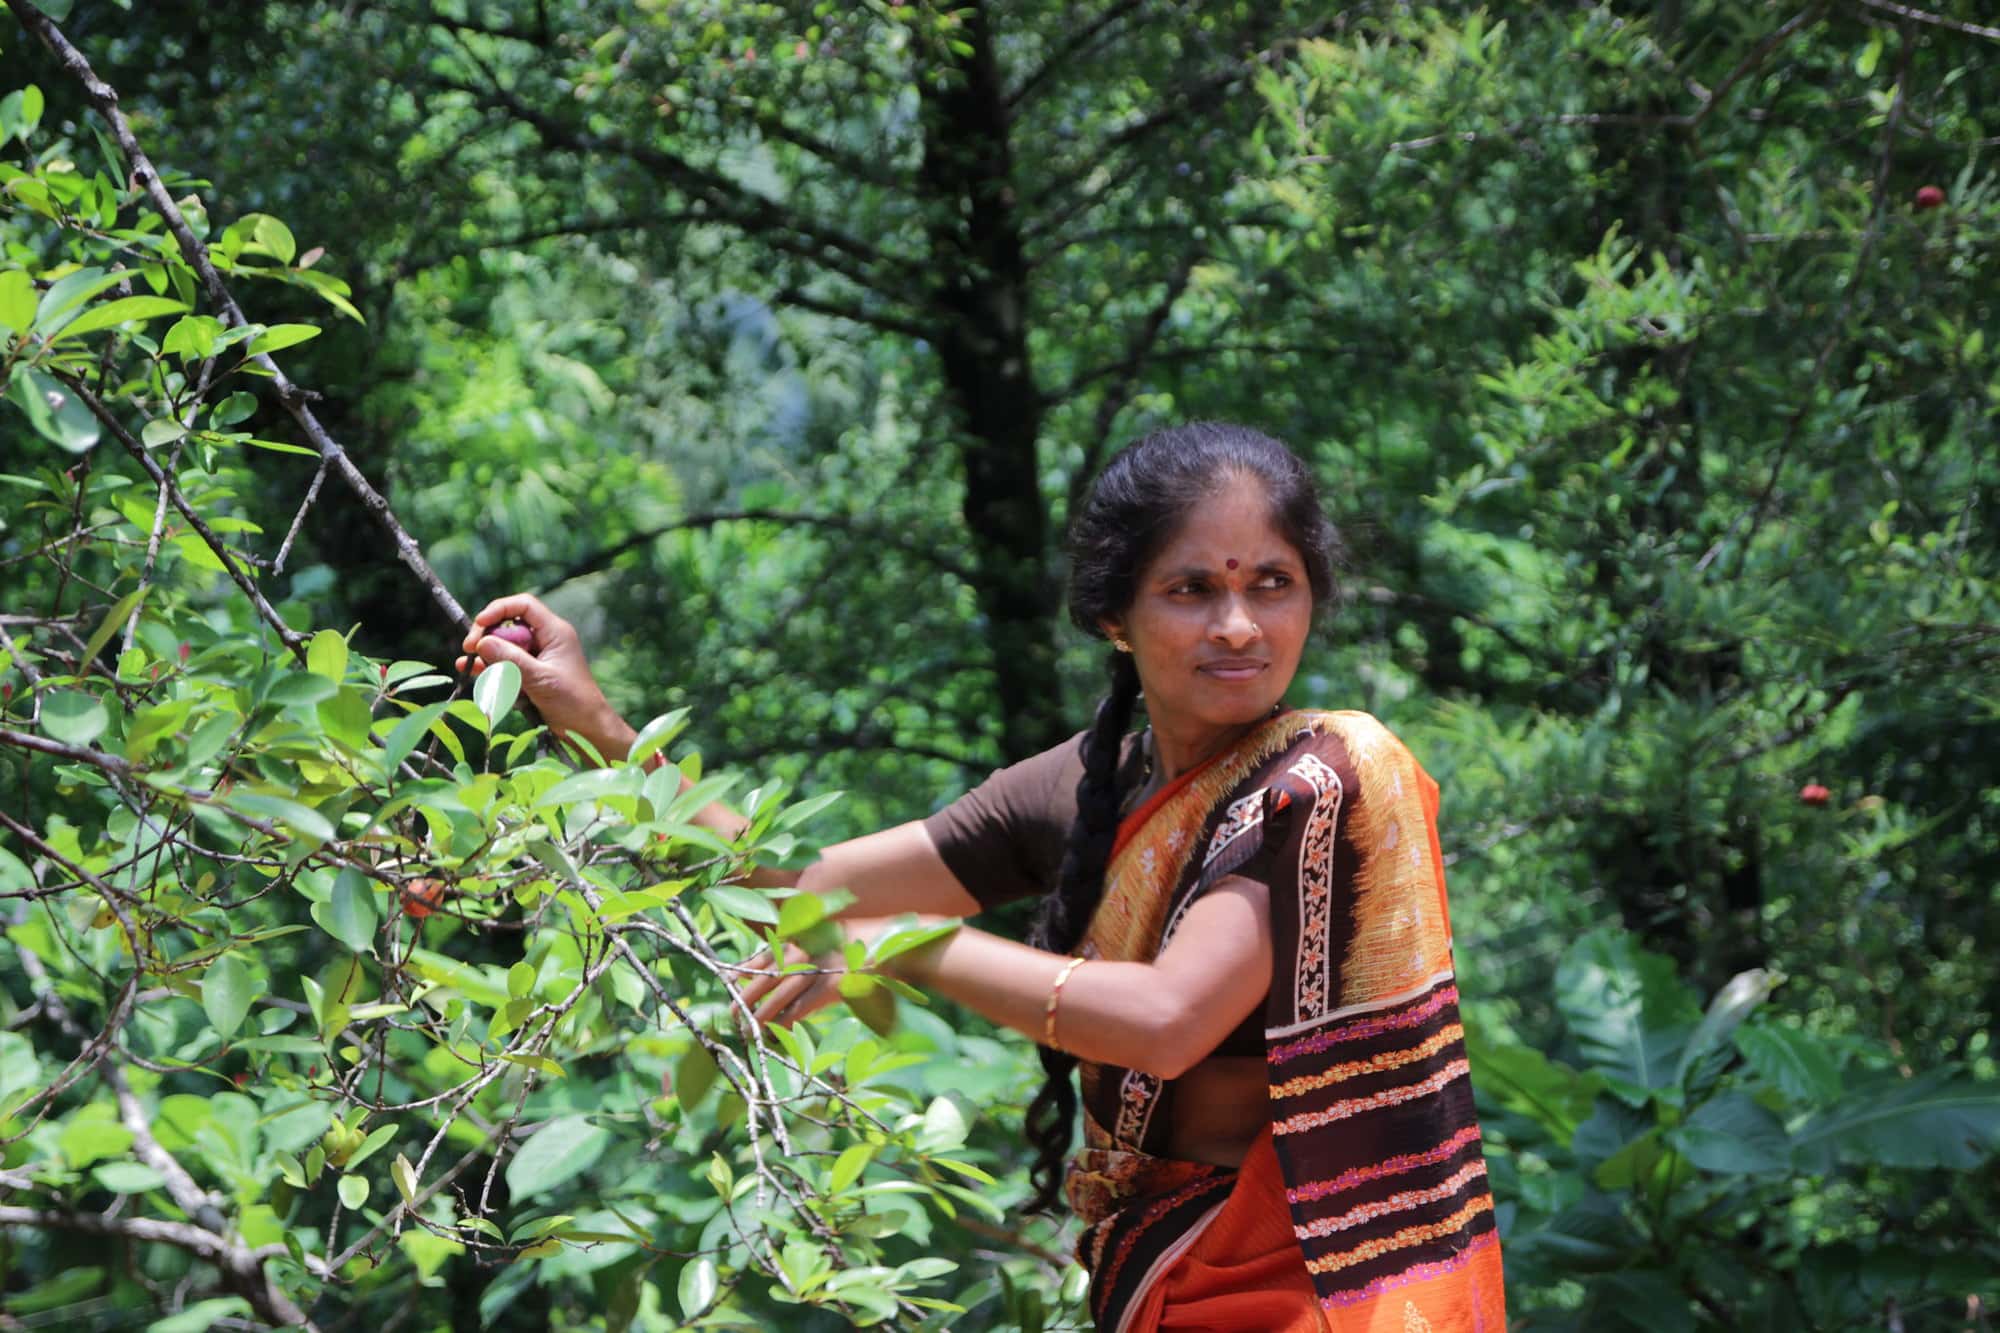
(1232, 562)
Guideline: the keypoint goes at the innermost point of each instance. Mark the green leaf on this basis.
(67, 293)
(127, 1177)
(405, 735)
(1937, 1119)
(1799, 1064)
(847, 1167)
(236, 407)
(276, 237)
(301, 819)
(698, 1286)
(496, 689)
(1630, 1015)
(17, 300)
(353, 1190)
(73, 717)
(800, 912)
(559, 1151)
(745, 904)
(655, 735)
(1732, 1135)
(349, 914)
(798, 814)
(122, 311)
(192, 337)
(227, 988)
(405, 1177)
(326, 655)
(944, 1127)
(113, 621)
(161, 430)
(694, 1074)
(278, 337)
(202, 1315)
(57, 415)
(371, 1145)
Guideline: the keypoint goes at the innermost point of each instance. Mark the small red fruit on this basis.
(184, 650)
(421, 897)
(516, 633)
(1814, 794)
(1930, 196)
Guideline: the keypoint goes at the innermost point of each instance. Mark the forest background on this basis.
(1645, 354)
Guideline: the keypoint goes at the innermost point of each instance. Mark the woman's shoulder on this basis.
(1351, 740)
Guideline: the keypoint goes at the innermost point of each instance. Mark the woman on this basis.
(1242, 947)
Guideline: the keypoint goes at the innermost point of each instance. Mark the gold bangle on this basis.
(1055, 998)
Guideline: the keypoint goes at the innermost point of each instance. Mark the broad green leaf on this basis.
(17, 300)
(847, 1167)
(276, 237)
(559, 1151)
(1732, 1135)
(122, 311)
(1629, 1013)
(73, 717)
(353, 1190)
(301, 819)
(795, 815)
(85, 1141)
(192, 337)
(694, 1074)
(496, 689)
(404, 737)
(1797, 1063)
(698, 1286)
(236, 407)
(745, 904)
(57, 415)
(127, 1177)
(656, 734)
(326, 655)
(944, 1127)
(70, 291)
(227, 988)
(278, 337)
(405, 1177)
(202, 1315)
(1940, 1118)
(349, 915)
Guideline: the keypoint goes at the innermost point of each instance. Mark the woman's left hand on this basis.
(783, 998)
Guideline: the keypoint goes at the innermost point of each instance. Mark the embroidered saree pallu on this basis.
(1371, 1109)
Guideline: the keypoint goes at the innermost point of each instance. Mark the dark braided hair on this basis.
(1139, 500)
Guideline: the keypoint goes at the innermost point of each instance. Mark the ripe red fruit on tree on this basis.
(516, 633)
(1930, 196)
(421, 897)
(1814, 794)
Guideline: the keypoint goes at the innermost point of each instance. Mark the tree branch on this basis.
(104, 100)
(1125, 375)
(858, 527)
(736, 206)
(1079, 42)
(1936, 20)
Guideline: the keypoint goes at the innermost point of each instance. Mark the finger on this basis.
(782, 999)
(493, 648)
(514, 606)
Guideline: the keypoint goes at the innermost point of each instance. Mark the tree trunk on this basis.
(981, 304)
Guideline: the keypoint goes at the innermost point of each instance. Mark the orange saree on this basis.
(1364, 1208)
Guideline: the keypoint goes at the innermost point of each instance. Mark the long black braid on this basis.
(1137, 503)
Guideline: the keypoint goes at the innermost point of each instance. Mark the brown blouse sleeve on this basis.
(1004, 838)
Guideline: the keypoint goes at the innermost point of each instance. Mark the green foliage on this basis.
(1660, 406)
(1650, 1190)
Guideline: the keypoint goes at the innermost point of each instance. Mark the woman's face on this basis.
(1220, 615)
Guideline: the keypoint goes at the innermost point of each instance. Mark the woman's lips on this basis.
(1233, 669)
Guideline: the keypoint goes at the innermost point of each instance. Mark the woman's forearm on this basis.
(1112, 1013)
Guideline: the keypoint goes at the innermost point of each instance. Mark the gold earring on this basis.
(1121, 645)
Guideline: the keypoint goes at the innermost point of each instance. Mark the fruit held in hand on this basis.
(1814, 794)
(1930, 196)
(515, 632)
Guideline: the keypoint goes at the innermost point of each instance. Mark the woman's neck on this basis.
(1178, 749)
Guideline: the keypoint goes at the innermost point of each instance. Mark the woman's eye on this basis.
(1275, 581)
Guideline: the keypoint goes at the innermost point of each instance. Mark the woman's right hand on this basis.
(555, 676)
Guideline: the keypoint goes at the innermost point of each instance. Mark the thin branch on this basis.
(736, 206)
(296, 400)
(291, 638)
(1935, 20)
(1125, 375)
(858, 527)
(1080, 41)
(820, 305)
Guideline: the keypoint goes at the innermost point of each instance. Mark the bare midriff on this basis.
(1219, 1108)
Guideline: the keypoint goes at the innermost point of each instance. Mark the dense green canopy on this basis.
(1643, 354)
